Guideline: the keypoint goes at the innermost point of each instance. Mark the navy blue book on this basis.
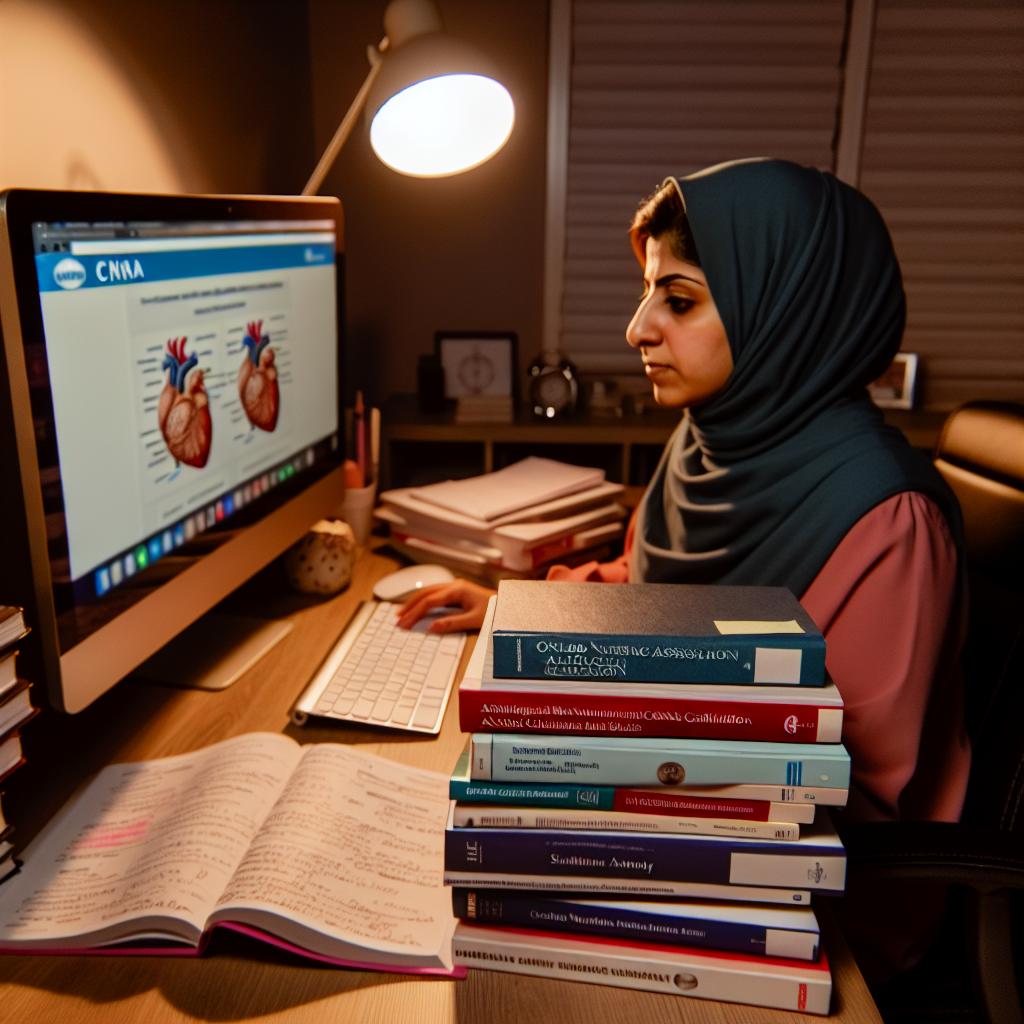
(816, 861)
(655, 633)
(737, 927)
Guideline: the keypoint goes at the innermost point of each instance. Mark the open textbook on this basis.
(323, 850)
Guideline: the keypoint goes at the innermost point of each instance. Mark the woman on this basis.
(771, 298)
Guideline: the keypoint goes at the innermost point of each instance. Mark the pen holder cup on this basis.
(357, 510)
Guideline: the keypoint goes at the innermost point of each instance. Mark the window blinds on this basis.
(658, 88)
(943, 157)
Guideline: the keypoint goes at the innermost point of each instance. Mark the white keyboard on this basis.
(379, 674)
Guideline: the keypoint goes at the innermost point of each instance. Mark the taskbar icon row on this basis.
(144, 554)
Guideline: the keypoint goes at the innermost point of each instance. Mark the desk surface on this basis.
(137, 721)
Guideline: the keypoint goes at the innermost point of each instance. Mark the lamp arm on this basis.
(334, 147)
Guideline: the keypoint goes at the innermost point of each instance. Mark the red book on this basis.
(701, 715)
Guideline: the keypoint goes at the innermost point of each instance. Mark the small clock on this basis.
(477, 364)
(554, 386)
(476, 372)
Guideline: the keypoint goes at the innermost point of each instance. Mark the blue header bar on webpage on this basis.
(61, 272)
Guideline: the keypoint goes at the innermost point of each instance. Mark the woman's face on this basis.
(678, 331)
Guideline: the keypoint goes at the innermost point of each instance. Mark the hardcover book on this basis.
(8, 672)
(629, 761)
(740, 927)
(10, 752)
(12, 625)
(783, 714)
(16, 706)
(306, 848)
(815, 861)
(681, 801)
(694, 973)
(651, 888)
(655, 632)
(581, 819)
(789, 803)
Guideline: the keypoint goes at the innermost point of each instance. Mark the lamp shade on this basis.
(434, 108)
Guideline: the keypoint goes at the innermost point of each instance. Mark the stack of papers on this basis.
(513, 523)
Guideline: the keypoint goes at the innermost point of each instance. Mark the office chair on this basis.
(980, 453)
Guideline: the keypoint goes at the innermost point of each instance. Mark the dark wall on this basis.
(461, 253)
(168, 95)
(229, 81)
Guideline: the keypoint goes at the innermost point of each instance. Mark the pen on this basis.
(359, 413)
(374, 444)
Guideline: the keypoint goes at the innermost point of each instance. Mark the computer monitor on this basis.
(169, 412)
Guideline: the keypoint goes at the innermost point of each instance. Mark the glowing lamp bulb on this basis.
(443, 125)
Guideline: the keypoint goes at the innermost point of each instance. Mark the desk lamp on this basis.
(433, 107)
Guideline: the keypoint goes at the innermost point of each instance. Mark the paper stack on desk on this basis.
(513, 523)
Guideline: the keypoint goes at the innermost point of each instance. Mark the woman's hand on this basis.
(470, 597)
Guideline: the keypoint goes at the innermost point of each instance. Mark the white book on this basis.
(528, 482)
(406, 500)
(581, 819)
(696, 974)
(594, 885)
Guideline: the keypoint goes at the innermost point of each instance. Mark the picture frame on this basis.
(478, 363)
(895, 389)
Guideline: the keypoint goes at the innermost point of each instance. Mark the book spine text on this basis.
(592, 761)
(582, 960)
(524, 910)
(681, 858)
(599, 715)
(482, 816)
(797, 660)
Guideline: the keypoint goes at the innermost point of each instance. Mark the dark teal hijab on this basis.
(760, 483)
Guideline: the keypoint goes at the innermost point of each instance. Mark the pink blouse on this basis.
(888, 604)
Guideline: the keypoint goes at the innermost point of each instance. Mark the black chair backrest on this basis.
(980, 453)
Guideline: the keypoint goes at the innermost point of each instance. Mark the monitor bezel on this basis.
(75, 678)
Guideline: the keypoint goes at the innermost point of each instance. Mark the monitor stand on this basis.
(213, 652)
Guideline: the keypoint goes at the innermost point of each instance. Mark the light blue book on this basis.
(628, 761)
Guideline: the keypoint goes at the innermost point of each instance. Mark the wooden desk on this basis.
(137, 721)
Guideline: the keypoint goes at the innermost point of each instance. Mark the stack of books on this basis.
(511, 524)
(637, 804)
(15, 710)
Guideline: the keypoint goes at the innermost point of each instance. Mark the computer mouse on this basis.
(397, 586)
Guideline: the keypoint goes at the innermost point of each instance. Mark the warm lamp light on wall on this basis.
(433, 106)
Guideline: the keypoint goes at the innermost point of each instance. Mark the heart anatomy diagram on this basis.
(257, 379)
(184, 409)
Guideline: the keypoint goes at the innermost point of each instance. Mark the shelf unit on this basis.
(418, 449)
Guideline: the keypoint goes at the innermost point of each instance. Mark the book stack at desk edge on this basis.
(601, 830)
(16, 709)
(566, 515)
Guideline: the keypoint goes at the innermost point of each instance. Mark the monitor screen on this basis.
(172, 393)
